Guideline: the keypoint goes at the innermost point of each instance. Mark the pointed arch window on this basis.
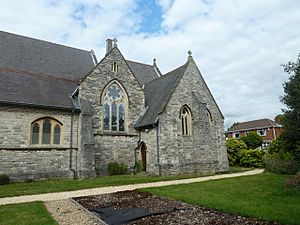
(46, 131)
(115, 104)
(186, 121)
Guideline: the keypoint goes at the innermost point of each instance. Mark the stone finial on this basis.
(190, 53)
(115, 40)
(154, 62)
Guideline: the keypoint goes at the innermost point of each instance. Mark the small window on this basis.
(35, 133)
(236, 134)
(186, 121)
(115, 67)
(262, 132)
(46, 131)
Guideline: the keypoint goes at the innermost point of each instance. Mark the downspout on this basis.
(71, 146)
(157, 144)
(135, 150)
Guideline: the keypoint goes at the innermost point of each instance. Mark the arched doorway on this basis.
(143, 148)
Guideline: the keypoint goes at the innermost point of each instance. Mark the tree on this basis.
(234, 147)
(291, 98)
(252, 140)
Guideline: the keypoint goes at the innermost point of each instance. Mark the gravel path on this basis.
(68, 212)
(112, 189)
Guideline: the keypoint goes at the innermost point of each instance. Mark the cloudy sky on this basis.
(238, 45)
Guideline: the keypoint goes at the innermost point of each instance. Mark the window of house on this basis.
(46, 131)
(262, 132)
(114, 108)
(186, 121)
(236, 134)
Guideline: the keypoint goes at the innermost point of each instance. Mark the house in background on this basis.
(266, 128)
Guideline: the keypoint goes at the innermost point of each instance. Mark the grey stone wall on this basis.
(113, 146)
(149, 138)
(36, 164)
(201, 152)
(19, 159)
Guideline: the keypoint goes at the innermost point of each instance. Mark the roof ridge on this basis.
(41, 40)
(139, 63)
(31, 73)
(167, 74)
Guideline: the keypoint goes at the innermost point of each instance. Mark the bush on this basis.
(4, 179)
(138, 166)
(293, 182)
(252, 140)
(252, 158)
(234, 146)
(115, 168)
(276, 164)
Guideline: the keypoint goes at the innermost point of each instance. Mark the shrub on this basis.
(252, 140)
(276, 164)
(115, 168)
(293, 182)
(4, 179)
(252, 158)
(138, 166)
(234, 146)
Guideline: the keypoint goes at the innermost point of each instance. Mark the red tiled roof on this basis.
(254, 124)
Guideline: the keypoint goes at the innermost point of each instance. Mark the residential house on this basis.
(266, 128)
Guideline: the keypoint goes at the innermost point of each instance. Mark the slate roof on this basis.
(157, 94)
(144, 73)
(40, 73)
(254, 124)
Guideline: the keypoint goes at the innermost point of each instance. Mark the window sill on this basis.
(37, 148)
(116, 134)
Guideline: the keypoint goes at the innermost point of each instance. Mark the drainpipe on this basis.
(157, 143)
(135, 150)
(71, 145)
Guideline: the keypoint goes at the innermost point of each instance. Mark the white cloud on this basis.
(238, 45)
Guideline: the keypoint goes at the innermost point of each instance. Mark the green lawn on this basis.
(261, 196)
(33, 213)
(46, 186)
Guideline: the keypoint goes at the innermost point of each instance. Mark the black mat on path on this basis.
(121, 216)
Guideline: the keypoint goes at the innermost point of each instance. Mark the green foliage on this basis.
(234, 146)
(291, 120)
(252, 158)
(115, 168)
(252, 140)
(4, 179)
(138, 166)
(276, 163)
(282, 147)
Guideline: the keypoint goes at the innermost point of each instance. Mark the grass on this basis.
(47, 186)
(33, 213)
(260, 196)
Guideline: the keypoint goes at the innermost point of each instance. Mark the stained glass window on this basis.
(114, 108)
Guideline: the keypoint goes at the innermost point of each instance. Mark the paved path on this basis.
(111, 189)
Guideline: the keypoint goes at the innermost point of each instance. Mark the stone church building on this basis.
(64, 114)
